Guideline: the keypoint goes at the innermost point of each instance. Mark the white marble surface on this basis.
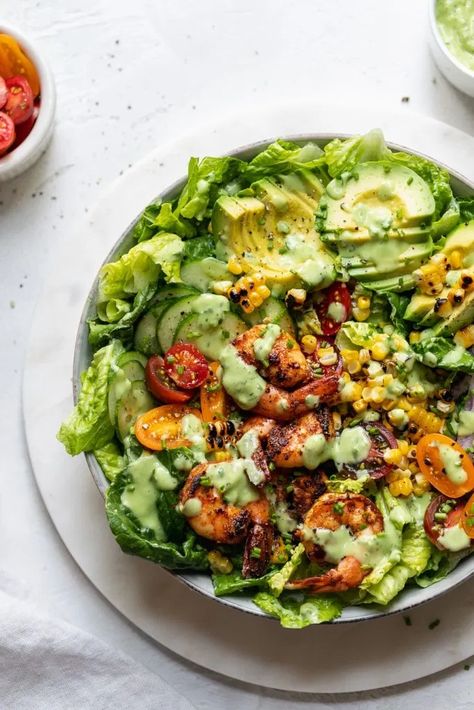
(175, 64)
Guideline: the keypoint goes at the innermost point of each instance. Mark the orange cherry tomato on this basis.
(14, 62)
(431, 465)
(214, 403)
(467, 519)
(160, 428)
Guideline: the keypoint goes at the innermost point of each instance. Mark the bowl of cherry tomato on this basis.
(27, 103)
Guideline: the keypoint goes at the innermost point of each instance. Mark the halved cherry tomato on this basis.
(337, 293)
(186, 366)
(20, 101)
(160, 428)
(14, 62)
(467, 519)
(3, 92)
(214, 403)
(325, 370)
(7, 132)
(431, 465)
(23, 130)
(160, 385)
(442, 513)
(375, 464)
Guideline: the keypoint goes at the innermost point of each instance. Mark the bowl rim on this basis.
(122, 244)
(468, 73)
(12, 164)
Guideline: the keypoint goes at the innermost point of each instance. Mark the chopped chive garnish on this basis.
(256, 553)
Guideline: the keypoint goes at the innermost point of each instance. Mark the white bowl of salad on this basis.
(272, 380)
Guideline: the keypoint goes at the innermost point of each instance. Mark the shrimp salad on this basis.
(279, 392)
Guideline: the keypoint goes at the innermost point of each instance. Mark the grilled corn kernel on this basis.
(219, 563)
(380, 351)
(405, 447)
(222, 287)
(295, 297)
(351, 392)
(414, 337)
(413, 467)
(337, 420)
(359, 406)
(263, 291)
(309, 344)
(393, 476)
(378, 394)
(353, 367)
(363, 302)
(393, 456)
(360, 314)
(349, 355)
(258, 279)
(402, 487)
(466, 281)
(234, 266)
(456, 296)
(364, 356)
(220, 456)
(398, 417)
(427, 421)
(465, 337)
(455, 259)
(255, 299)
(420, 490)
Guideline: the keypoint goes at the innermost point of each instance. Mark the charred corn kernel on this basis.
(337, 420)
(363, 302)
(351, 392)
(465, 337)
(403, 403)
(413, 467)
(279, 551)
(234, 266)
(349, 355)
(364, 356)
(255, 299)
(378, 394)
(393, 476)
(440, 259)
(389, 404)
(258, 279)
(328, 359)
(414, 337)
(398, 417)
(222, 287)
(456, 296)
(402, 487)
(419, 490)
(295, 297)
(443, 307)
(220, 456)
(394, 456)
(466, 281)
(380, 351)
(309, 344)
(427, 421)
(219, 563)
(455, 259)
(360, 314)
(398, 343)
(367, 394)
(405, 447)
(359, 406)
(263, 291)
(345, 377)
(353, 367)
(445, 407)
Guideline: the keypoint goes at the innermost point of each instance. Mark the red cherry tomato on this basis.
(23, 130)
(338, 293)
(3, 92)
(20, 101)
(160, 385)
(442, 513)
(7, 132)
(186, 366)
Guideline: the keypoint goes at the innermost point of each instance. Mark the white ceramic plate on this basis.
(200, 582)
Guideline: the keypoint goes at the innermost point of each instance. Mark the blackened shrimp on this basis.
(276, 403)
(285, 443)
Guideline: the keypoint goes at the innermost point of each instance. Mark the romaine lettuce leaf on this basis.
(343, 155)
(439, 566)
(437, 351)
(296, 613)
(100, 333)
(141, 266)
(181, 550)
(448, 220)
(199, 248)
(88, 427)
(398, 305)
(110, 459)
(277, 580)
(283, 157)
(466, 208)
(204, 179)
(225, 584)
(359, 334)
(351, 485)
(169, 220)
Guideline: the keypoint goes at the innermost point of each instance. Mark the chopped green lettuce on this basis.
(350, 485)
(439, 566)
(295, 613)
(277, 580)
(110, 460)
(141, 266)
(88, 427)
(283, 157)
(359, 334)
(466, 208)
(100, 333)
(204, 179)
(398, 305)
(437, 351)
(232, 583)
(343, 155)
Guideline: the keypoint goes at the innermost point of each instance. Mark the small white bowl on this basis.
(28, 152)
(459, 75)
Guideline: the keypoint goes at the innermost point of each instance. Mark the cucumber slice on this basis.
(135, 402)
(211, 342)
(275, 311)
(133, 371)
(145, 339)
(119, 387)
(169, 319)
(131, 356)
(201, 273)
(174, 291)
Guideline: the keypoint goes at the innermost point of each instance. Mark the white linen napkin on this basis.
(47, 664)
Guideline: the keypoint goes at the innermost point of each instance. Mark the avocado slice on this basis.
(379, 197)
(420, 305)
(461, 239)
(460, 317)
(273, 231)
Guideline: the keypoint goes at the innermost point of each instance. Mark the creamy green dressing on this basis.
(192, 507)
(248, 444)
(368, 548)
(454, 538)
(313, 266)
(263, 346)
(239, 379)
(164, 480)
(466, 424)
(386, 191)
(455, 19)
(231, 478)
(337, 312)
(141, 494)
(192, 429)
(350, 447)
(452, 463)
(211, 310)
(312, 401)
(377, 220)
